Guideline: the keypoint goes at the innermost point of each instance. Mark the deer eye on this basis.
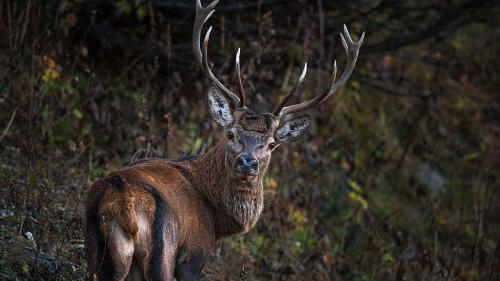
(272, 145)
(230, 135)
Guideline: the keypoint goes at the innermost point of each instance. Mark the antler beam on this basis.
(352, 51)
(238, 76)
(290, 94)
(202, 15)
(230, 95)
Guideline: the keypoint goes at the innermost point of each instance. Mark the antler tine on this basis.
(234, 98)
(202, 15)
(240, 84)
(334, 76)
(290, 94)
(352, 51)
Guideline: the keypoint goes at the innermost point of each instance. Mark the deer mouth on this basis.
(247, 192)
(244, 177)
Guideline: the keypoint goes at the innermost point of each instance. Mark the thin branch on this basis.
(8, 125)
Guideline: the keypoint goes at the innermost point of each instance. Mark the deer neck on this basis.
(235, 207)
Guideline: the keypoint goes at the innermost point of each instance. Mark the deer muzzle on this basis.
(247, 165)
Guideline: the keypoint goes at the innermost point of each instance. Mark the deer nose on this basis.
(247, 165)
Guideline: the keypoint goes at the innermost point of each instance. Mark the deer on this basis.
(159, 219)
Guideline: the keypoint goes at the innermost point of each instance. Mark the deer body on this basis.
(187, 205)
(159, 219)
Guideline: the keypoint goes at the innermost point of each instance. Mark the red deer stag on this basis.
(159, 219)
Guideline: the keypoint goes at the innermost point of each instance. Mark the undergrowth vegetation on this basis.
(396, 180)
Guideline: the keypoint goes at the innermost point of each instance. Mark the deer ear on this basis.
(293, 129)
(219, 107)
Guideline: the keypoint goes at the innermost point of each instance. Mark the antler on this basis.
(352, 51)
(202, 14)
(240, 84)
(288, 96)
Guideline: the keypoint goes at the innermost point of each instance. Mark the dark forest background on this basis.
(396, 180)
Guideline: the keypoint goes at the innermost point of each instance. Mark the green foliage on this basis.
(126, 7)
(397, 179)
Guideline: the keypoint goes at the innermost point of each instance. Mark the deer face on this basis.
(251, 137)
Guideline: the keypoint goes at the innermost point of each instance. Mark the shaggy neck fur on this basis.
(237, 205)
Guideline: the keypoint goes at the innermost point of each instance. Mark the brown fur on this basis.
(204, 201)
(249, 121)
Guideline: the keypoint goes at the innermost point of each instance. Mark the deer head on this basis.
(252, 137)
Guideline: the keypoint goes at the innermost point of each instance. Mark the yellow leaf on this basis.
(197, 144)
(298, 217)
(54, 74)
(271, 184)
(354, 185)
(355, 85)
(51, 63)
(78, 114)
(388, 257)
(359, 199)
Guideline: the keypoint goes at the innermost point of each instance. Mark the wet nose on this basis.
(247, 165)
